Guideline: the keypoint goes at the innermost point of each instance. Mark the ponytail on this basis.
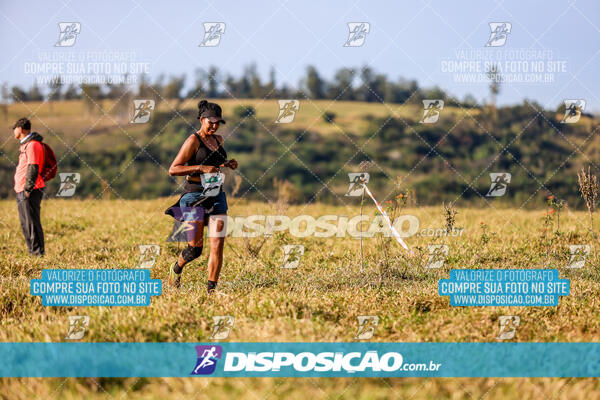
(207, 109)
(202, 106)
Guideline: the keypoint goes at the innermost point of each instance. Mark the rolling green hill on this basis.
(446, 161)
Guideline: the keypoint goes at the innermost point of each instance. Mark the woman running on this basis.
(203, 200)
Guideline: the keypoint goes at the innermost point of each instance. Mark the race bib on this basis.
(212, 183)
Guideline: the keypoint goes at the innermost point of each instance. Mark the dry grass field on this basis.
(318, 301)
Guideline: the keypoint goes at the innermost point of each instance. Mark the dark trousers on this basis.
(29, 214)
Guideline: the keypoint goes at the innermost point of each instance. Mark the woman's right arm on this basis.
(186, 152)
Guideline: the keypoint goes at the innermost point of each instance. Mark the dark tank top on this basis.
(204, 156)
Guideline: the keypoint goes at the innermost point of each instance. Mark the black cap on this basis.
(214, 115)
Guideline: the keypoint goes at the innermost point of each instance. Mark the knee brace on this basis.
(191, 253)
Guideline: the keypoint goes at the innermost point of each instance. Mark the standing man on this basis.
(29, 185)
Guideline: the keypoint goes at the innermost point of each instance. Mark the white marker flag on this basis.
(387, 219)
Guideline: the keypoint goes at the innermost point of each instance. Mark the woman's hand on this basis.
(208, 169)
(233, 164)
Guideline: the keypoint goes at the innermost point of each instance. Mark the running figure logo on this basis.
(183, 229)
(579, 253)
(141, 111)
(437, 255)
(498, 34)
(212, 34)
(431, 111)
(357, 183)
(68, 33)
(78, 324)
(366, 326)
(223, 325)
(148, 254)
(292, 254)
(68, 183)
(500, 181)
(180, 231)
(508, 326)
(358, 33)
(207, 359)
(573, 110)
(287, 111)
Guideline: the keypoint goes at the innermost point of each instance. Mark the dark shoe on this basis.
(211, 286)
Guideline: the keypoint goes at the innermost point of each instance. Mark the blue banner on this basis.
(96, 287)
(504, 287)
(300, 359)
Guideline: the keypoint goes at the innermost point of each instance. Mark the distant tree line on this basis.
(347, 84)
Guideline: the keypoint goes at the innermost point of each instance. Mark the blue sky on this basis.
(406, 39)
